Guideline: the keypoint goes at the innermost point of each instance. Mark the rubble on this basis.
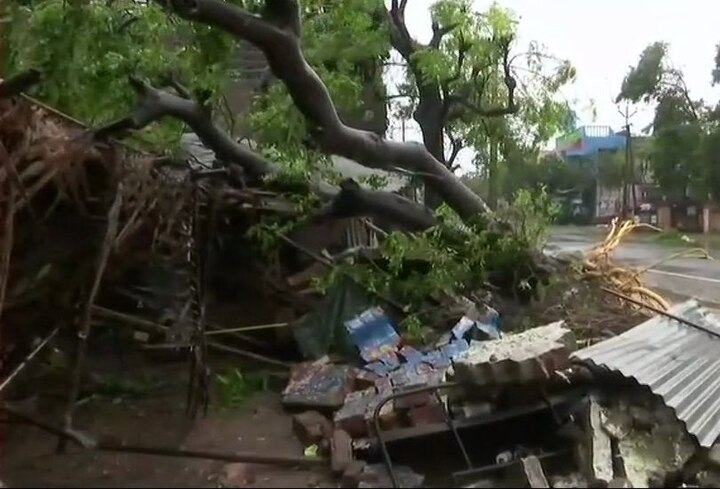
(531, 356)
(341, 451)
(534, 472)
(500, 377)
(312, 428)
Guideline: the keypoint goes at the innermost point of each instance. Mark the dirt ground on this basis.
(156, 418)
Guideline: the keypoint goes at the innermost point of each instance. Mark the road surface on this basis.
(682, 277)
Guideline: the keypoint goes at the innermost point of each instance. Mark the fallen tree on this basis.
(277, 33)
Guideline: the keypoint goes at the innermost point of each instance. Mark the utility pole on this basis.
(629, 172)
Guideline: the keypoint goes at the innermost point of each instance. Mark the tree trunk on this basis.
(493, 184)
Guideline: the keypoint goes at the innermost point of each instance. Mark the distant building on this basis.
(584, 146)
(588, 141)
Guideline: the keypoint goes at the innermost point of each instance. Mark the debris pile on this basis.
(515, 406)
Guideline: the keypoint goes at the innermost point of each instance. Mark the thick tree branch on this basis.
(17, 84)
(282, 49)
(355, 201)
(439, 33)
(350, 201)
(155, 104)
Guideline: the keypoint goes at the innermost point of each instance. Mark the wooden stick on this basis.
(258, 327)
(144, 323)
(84, 332)
(217, 346)
(21, 366)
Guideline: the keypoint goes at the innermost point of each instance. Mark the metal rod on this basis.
(376, 419)
(451, 424)
(110, 445)
(661, 312)
(21, 366)
(240, 457)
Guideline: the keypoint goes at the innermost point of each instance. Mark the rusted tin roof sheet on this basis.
(678, 362)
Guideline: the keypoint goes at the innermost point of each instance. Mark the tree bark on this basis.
(350, 200)
(493, 174)
(277, 34)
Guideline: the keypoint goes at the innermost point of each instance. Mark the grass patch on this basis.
(234, 387)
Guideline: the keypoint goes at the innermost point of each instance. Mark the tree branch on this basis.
(510, 106)
(439, 33)
(350, 201)
(355, 201)
(283, 51)
(456, 144)
(155, 104)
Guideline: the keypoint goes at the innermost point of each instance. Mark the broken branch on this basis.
(155, 104)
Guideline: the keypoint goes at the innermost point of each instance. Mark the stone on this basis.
(341, 452)
(353, 474)
(351, 417)
(534, 472)
(238, 475)
(312, 428)
(619, 482)
(318, 385)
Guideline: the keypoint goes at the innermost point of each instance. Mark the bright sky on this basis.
(603, 38)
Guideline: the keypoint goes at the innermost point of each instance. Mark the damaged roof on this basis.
(678, 362)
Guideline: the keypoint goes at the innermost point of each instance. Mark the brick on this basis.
(318, 386)
(364, 379)
(312, 428)
(388, 418)
(351, 417)
(431, 413)
(341, 453)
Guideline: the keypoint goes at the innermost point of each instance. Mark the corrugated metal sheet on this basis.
(678, 362)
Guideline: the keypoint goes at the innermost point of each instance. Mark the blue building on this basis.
(582, 147)
(588, 141)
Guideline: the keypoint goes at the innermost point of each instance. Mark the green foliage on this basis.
(234, 387)
(86, 50)
(643, 81)
(530, 215)
(346, 68)
(682, 157)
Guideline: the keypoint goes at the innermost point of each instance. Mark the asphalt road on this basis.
(682, 277)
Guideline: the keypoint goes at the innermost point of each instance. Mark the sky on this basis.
(602, 39)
